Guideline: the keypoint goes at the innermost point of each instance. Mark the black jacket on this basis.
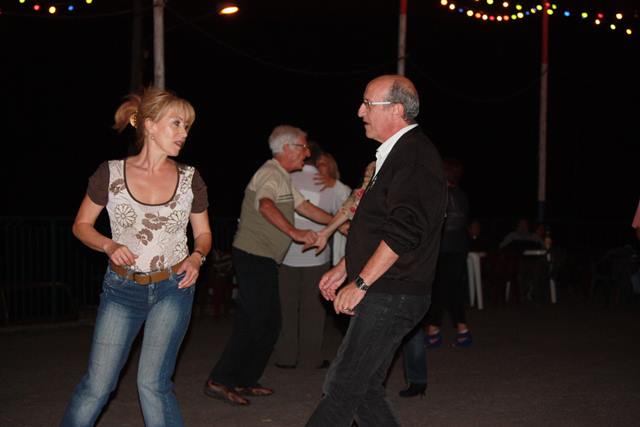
(405, 206)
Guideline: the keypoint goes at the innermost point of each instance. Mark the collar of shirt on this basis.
(279, 166)
(383, 151)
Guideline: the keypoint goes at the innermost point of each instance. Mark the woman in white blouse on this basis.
(150, 198)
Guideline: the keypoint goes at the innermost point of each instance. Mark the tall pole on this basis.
(158, 43)
(402, 36)
(542, 141)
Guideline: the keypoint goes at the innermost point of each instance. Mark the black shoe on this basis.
(413, 390)
(283, 366)
(324, 365)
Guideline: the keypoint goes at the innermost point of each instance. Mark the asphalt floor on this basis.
(574, 363)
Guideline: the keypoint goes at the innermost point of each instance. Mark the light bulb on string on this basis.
(36, 7)
(52, 9)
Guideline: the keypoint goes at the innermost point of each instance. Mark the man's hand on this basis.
(348, 298)
(308, 237)
(331, 280)
(320, 243)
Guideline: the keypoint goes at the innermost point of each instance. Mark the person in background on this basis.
(390, 260)
(346, 212)
(265, 231)
(303, 313)
(329, 177)
(150, 277)
(451, 279)
(521, 237)
(478, 241)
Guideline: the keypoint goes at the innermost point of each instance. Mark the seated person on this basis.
(478, 241)
(521, 238)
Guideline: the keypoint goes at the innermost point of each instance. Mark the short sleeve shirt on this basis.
(155, 233)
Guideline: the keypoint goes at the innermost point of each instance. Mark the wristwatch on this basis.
(203, 257)
(361, 284)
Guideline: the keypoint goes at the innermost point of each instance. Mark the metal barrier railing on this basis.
(46, 274)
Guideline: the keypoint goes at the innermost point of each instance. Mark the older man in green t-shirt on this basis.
(264, 233)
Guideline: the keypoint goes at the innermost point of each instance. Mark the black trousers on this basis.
(256, 322)
(449, 289)
(354, 387)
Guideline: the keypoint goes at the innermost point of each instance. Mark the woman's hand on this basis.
(191, 269)
(119, 254)
(324, 180)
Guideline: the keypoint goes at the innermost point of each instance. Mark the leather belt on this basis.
(144, 278)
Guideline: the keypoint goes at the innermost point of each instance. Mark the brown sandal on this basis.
(224, 393)
(257, 391)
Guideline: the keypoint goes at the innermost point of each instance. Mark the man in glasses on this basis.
(390, 260)
(264, 233)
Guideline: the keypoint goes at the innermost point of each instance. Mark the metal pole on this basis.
(402, 36)
(542, 141)
(158, 43)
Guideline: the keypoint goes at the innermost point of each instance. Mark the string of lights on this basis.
(52, 7)
(506, 11)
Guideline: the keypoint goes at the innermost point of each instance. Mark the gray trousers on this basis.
(303, 316)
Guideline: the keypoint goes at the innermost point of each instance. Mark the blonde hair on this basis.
(153, 104)
(332, 165)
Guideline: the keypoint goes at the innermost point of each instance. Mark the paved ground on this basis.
(572, 364)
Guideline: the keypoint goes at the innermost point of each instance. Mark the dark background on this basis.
(306, 63)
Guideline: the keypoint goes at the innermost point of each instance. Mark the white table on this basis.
(474, 274)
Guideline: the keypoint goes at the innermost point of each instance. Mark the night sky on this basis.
(306, 63)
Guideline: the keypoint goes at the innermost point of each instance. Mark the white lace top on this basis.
(155, 233)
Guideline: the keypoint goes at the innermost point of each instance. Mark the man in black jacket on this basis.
(391, 256)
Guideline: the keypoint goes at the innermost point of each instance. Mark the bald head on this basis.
(400, 90)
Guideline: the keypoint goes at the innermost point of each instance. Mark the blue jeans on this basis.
(354, 387)
(125, 306)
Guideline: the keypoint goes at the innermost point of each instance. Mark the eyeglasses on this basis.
(369, 104)
(303, 146)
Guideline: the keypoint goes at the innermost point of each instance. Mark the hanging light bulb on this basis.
(227, 8)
